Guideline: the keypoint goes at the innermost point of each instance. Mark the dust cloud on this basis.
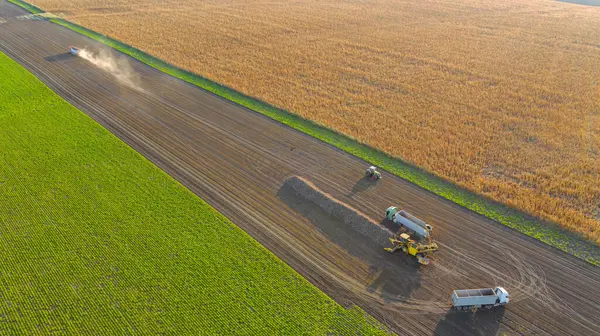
(118, 67)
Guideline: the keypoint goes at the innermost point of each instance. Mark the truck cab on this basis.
(502, 295)
(390, 212)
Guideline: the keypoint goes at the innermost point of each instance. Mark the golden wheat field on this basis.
(499, 96)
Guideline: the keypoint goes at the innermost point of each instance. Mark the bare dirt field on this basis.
(238, 161)
(500, 96)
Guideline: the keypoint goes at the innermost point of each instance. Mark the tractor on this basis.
(372, 173)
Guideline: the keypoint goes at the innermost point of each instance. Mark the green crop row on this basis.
(95, 239)
(545, 232)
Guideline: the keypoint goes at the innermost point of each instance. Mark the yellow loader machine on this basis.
(420, 245)
(411, 247)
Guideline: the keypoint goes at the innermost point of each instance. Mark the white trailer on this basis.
(412, 223)
(468, 299)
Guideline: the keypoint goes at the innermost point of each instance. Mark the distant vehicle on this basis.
(470, 299)
(373, 173)
(74, 51)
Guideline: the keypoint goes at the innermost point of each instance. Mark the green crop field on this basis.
(96, 240)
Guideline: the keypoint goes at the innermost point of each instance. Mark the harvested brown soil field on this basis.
(238, 161)
(499, 96)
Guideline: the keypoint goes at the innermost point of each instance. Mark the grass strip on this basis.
(546, 232)
(95, 239)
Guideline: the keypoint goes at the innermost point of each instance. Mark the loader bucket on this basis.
(423, 260)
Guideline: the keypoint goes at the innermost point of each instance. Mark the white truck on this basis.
(74, 51)
(410, 222)
(470, 299)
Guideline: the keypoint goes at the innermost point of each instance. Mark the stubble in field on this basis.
(501, 96)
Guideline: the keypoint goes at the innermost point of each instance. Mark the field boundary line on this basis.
(546, 232)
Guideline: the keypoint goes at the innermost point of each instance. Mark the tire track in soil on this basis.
(237, 160)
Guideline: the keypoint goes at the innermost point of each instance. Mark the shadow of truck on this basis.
(482, 322)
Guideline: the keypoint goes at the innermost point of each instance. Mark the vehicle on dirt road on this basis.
(473, 299)
(415, 226)
(413, 237)
(74, 51)
(409, 246)
(372, 173)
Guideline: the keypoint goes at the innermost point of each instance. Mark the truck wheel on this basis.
(489, 306)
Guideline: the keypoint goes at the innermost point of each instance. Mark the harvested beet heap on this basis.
(354, 218)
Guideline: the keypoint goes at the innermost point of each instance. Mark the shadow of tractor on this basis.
(362, 185)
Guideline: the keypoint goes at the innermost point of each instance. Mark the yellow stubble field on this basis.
(499, 96)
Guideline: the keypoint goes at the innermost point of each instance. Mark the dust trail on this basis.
(39, 16)
(118, 67)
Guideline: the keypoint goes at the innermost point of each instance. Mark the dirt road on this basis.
(237, 161)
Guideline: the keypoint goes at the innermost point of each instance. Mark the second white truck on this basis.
(470, 299)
